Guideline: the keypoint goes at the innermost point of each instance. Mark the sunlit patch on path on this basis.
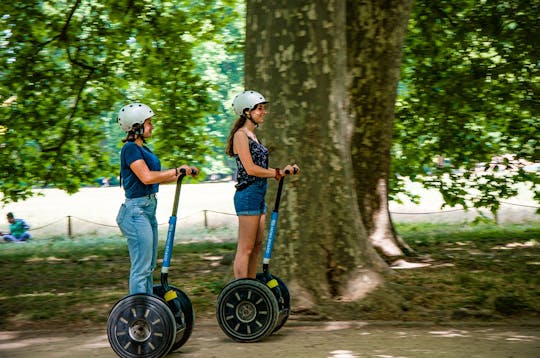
(402, 264)
(450, 333)
(342, 354)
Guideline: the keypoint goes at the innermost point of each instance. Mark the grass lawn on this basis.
(476, 273)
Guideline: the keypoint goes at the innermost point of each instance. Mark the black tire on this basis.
(284, 300)
(141, 325)
(246, 310)
(186, 320)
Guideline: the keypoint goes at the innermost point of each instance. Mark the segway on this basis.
(248, 309)
(151, 326)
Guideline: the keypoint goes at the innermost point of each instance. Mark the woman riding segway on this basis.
(153, 319)
(252, 161)
(253, 305)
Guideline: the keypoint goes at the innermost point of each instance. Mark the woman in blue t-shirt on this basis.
(252, 162)
(140, 175)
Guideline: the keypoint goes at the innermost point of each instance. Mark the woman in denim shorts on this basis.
(252, 163)
(141, 174)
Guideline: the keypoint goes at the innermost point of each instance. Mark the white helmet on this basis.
(247, 100)
(134, 113)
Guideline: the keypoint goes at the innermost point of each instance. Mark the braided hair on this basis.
(135, 132)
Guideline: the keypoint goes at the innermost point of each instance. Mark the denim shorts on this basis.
(250, 200)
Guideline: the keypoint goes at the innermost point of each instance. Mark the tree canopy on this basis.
(469, 92)
(70, 66)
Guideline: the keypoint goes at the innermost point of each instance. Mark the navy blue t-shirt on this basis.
(132, 185)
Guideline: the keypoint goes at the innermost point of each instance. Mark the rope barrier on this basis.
(93, 222)
(522, 205)
(41, 227)
(427, 212)
(205, 212)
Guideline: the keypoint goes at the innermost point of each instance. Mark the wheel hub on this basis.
(246, 311)
(140, 330)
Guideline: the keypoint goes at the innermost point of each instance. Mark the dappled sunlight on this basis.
(486, 334)
(338, 325)
(38, 294)
(50, 259)
(53, 259)
(522, 338)
(403, 265)
(452, 333)
(343, 354)
(510, 336)
(517, 245)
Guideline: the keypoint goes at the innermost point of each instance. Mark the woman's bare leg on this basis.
(254, 257)
(248, 232)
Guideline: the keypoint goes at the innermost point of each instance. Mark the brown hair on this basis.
(136, 131)
(230, 142)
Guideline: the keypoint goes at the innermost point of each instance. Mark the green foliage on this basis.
(71, 65)
(469, 91)
(220, 62)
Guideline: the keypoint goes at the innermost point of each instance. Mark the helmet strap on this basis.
(138, 129)
(248, 116)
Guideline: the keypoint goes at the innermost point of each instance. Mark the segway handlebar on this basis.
(280, 188)
(273, 223)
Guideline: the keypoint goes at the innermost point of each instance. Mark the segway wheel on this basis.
(141, 325)
(185, 320)
(284, 300)
(247, 310)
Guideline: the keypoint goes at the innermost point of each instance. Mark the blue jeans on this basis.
(137, 221)
(11, 238)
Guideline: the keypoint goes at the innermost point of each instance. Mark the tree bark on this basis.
(296, 56)
(375, 36)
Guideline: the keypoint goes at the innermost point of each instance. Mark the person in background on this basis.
(252, 161)
(140, 175)
(18, 230)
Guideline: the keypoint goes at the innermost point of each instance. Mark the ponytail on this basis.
(230, 141)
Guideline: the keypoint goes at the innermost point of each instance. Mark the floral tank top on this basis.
(259, 154)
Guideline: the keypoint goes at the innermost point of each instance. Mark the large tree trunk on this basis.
(296, 55)
(375, 37)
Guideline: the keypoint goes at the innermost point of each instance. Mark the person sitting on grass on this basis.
(18, 230)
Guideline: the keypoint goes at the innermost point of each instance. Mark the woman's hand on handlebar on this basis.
(187, 170)
(291, 169)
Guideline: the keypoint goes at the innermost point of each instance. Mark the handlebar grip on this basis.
(295, 171)
(193, 171)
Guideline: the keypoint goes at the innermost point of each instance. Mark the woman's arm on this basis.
(147, 176)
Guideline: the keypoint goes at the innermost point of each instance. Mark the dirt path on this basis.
(303, 339)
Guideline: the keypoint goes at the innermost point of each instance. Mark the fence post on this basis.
(69, 226)
(205, 219)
